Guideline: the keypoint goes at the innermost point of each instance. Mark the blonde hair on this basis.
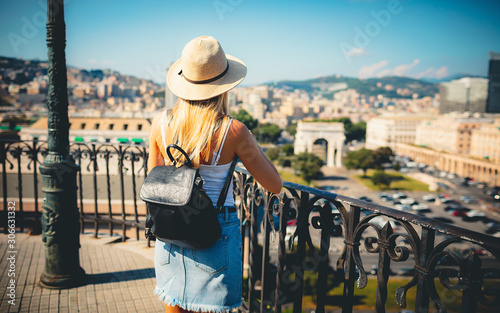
(192, 125)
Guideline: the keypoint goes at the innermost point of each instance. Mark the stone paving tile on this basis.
(120, 278)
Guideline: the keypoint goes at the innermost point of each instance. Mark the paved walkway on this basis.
(120, 278)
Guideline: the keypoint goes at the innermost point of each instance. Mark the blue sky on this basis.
(278, 40)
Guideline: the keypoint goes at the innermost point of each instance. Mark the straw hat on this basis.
(204, 70)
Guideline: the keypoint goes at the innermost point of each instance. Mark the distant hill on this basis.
(386, 86)
(19, 71)
(451, 77)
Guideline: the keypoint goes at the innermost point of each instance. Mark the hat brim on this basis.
(183, 89)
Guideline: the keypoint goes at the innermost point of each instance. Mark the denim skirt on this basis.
(207, 280)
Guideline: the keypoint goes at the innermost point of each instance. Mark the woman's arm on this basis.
(254, 159)
(155, 157)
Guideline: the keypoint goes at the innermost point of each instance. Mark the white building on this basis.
(388, 131)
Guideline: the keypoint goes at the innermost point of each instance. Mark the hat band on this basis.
(206, 81)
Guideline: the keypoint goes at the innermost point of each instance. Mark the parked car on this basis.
(409, 201)
(494, 192)
(422, 208)
(458, 213)
(448, 200)
(399, 195)
(395, 201)
(387, 199)
(474, 215)
(429, 198)
(468, 199)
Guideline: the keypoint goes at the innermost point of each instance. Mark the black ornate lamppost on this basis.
(60, 217)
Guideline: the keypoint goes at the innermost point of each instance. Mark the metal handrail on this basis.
(113, 172)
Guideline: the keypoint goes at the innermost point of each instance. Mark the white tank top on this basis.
(214, 175)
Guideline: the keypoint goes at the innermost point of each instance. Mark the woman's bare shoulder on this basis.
(157, 117)
(239, 129)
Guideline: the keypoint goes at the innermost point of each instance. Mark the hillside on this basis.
(386, 86)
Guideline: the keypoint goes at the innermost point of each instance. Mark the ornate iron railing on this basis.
(282, 264)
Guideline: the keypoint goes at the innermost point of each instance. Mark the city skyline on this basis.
(278, 41)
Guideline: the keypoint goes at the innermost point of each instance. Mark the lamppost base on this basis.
(54, 281)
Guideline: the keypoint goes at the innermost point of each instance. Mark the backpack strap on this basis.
(217, 154)
(229, 178)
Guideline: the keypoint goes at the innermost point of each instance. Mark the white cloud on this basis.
(442, 72)
(401, 69)
(355, 51)
(428, 72)
(433, 73)
(384, 72)
(369, 70)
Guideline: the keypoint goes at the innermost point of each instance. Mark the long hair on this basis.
(192, 125)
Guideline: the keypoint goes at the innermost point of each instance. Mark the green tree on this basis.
(291, 129)
(245, 117)
(267, 132)
(356, 132)
(284, 162)
(308, 164)
(380, 156)
(273, 154)
(287, 149)
(380, 178)
(396, 166)
(359, 159)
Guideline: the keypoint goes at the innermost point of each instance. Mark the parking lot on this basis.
(462, 206)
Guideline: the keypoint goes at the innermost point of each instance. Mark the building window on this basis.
(108, 139)
(125, 126)
(139, 127)
(97, 126)
(111, 126)
(83, 125)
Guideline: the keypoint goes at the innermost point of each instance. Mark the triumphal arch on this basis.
(310, 132)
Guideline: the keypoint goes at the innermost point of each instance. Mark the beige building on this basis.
(485, 142)
(388, 131)
(448, 133)
(460, 165)
(88, 129)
